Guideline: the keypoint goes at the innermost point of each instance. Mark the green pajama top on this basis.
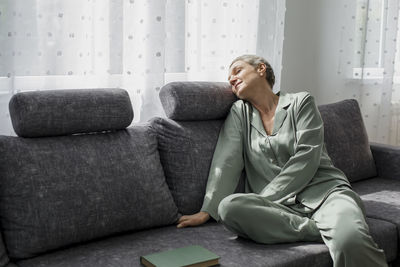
(290, 166)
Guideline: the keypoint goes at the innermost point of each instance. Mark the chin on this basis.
(240, 94)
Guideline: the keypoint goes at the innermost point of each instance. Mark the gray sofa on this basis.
(81, 188)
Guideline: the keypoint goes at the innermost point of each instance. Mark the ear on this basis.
(261, 69)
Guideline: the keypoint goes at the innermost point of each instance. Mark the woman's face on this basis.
(242, 77)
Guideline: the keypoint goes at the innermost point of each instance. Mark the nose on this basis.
(232, 80)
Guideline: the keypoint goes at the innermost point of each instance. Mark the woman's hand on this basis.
(193, 220)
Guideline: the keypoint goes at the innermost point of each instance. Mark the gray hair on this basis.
(255, 61)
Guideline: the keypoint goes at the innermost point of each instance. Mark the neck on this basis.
(265, 101)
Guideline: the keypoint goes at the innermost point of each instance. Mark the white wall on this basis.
(311, 57)
(298, 58)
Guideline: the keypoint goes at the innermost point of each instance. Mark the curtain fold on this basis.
(369, 63)
(138, 45)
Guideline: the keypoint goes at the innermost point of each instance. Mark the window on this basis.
(376, 38)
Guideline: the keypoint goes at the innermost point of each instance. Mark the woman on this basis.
(293, 191)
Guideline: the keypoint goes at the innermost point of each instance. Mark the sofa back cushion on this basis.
(346, 139)
(187, 139)
(186, 150)
(57, 191)
(4, 259)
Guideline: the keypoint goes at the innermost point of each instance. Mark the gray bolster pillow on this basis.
(70, 111)
(190, 101)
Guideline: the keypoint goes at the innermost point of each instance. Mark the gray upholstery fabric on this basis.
(185, 101)
(384, 234)
(62, 112)
(4, 260)
(56, 191)
(346, 139)
(381, 198)
(186, 150)
(387, 160)
(234, 252)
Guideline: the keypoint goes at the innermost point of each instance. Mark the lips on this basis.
(237, 84)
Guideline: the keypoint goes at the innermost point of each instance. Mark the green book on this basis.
(193, 256)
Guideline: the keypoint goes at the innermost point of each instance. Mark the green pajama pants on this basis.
(339, 222)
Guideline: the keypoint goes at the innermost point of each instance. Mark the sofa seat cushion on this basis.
(381, 198)
(56, 191)
(125, 250)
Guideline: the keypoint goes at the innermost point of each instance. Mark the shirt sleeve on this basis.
(226, 166)
(302, 166)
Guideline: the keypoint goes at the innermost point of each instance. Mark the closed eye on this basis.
(235, 71)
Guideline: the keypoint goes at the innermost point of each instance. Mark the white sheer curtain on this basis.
(218, 31)
(138, 45)
(370, 62)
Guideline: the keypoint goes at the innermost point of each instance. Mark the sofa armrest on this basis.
(387, 160)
